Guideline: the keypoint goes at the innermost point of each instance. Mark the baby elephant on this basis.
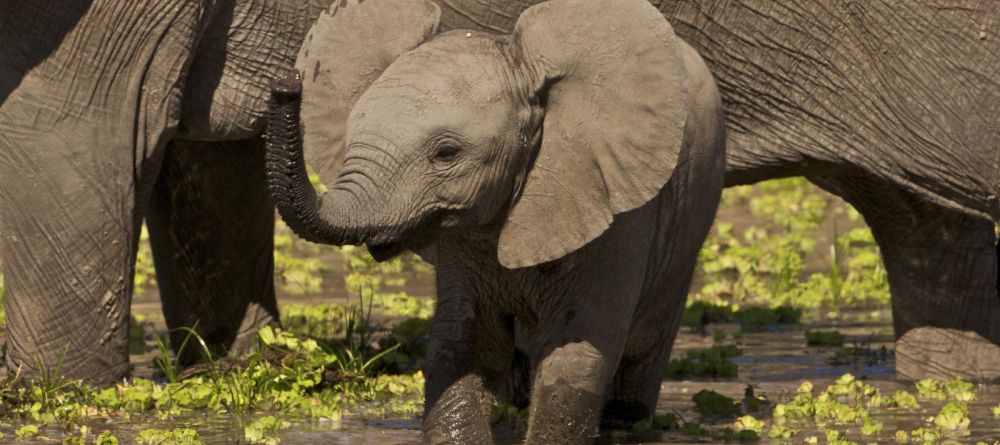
(562, 179)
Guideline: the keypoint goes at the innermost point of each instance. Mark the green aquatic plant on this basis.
(27, 431)
(106, 438)
(824, 338)
(711, 362)
(924, 435)
(749, 423)
(402, 304)
(860, 355)
(955, 389)
(177, 436)
(764, 264)
(747, 435)
(709, 403)
(264, 430)
(297, 266)
(871, 427)
(953, 417)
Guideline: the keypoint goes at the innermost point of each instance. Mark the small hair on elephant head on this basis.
(539, 137)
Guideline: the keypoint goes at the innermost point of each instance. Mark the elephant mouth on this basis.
(386, 251)
(417, 236)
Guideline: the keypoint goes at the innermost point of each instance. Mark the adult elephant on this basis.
(562, 178)
(112, 111)
(116, 111)
(892, 106)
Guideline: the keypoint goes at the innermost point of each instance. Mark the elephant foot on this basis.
(941, 353)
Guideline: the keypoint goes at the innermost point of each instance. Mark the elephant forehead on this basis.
(409, 119)
(424, 94)
(452, 69)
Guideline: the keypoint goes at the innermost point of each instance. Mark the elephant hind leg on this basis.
(942, 269)
(212, 231)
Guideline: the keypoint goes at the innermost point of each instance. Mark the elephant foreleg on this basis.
(942, 269)
(67, 263)
(211, 226)
(88, 98)
(469, 357)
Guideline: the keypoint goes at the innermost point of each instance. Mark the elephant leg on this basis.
(67, 266)
(89, 97)
(573, 375)
(211, 227)
(636, 384)
(469, 357)
(942, 269)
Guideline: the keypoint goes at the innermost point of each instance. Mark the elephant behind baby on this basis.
(892, 107)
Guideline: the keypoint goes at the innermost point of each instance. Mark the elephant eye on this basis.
(446, 153)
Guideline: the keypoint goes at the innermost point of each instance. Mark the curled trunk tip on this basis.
(306, 213)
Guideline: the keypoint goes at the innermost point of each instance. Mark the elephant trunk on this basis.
(314, 218)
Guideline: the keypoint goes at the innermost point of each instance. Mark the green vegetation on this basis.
(178, 436)
(824, 338)
(765, 264)
(860, 355)
(712, 404)
(954, 389)
(953, 417)
(264, 431)
(298, 377)
(705, 363)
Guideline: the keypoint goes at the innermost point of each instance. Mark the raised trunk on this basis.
(328, 219)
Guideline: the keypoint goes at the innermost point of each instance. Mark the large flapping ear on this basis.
(614, 85)
(345, 51)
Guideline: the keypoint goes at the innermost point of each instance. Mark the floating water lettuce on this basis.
(871, 428)
(955, 389)
(26, 431)
(177, 436)
(749, 423)
(824, 338)
(710, 362)
(953, 417)
(712, 404)
(264, 431)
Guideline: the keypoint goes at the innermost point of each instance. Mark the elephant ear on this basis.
(344, 52)
(614, 85)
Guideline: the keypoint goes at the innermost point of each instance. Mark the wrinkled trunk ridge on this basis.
(320, 219)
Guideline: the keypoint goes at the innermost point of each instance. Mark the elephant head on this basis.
(538, 138)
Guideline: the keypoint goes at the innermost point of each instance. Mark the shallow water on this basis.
(776, 360)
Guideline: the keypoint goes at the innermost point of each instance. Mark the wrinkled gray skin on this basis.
(495, 156)
(892, 106)
(115, 111)
(112, 112)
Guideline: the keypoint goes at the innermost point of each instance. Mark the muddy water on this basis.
(776, 360)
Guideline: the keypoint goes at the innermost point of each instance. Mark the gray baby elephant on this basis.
(561, 178)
